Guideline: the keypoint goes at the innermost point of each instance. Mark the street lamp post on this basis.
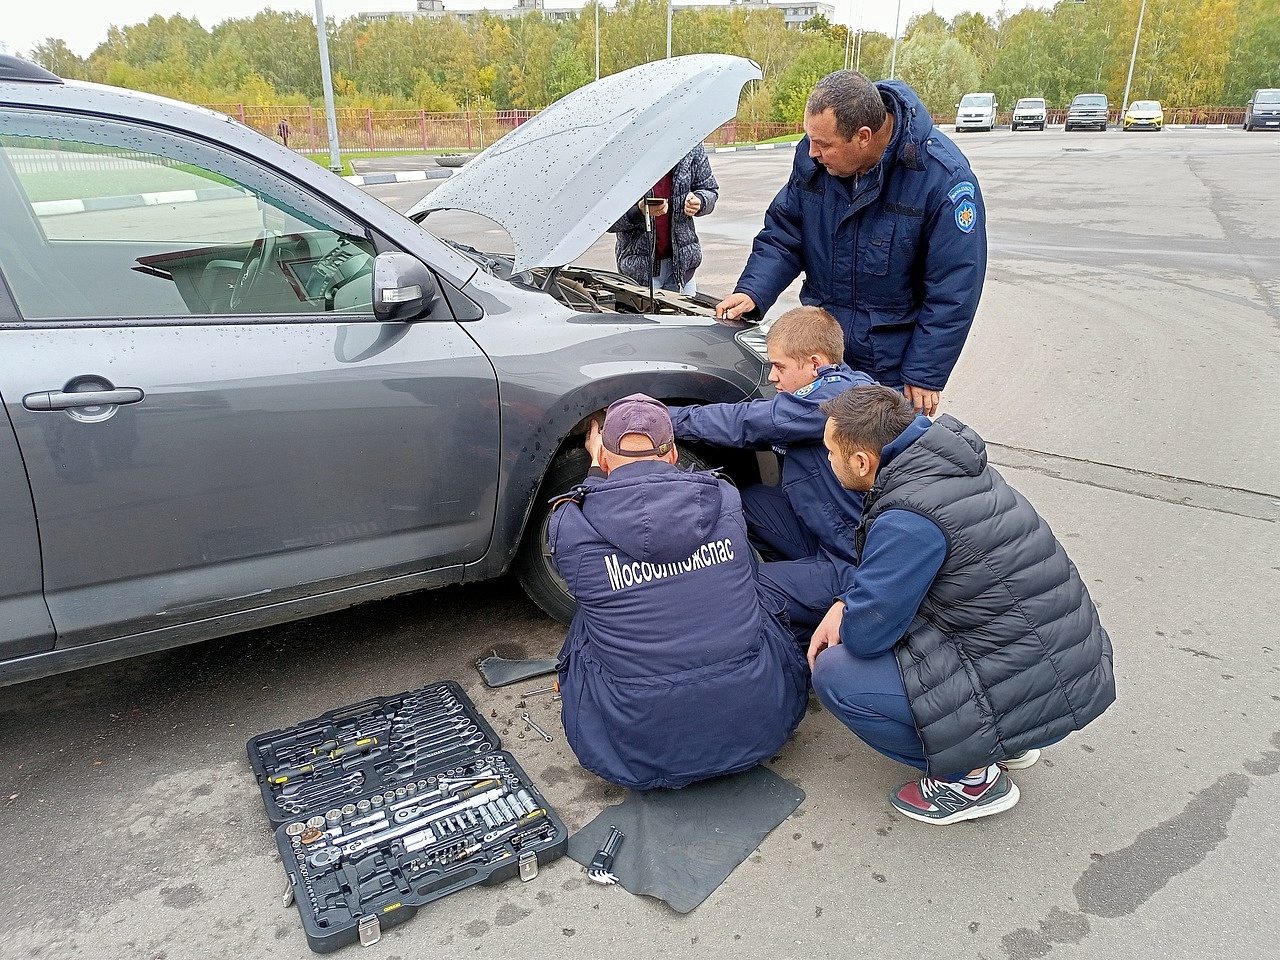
(893, 60)
(857, 61)
(326, 79)
(1132, 59)
(597, 6)
(668, 29)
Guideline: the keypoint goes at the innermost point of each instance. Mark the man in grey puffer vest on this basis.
(689, 190)
(966, 639)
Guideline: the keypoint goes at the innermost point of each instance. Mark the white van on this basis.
(976, 111)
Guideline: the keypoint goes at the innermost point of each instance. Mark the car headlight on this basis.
(754, 339)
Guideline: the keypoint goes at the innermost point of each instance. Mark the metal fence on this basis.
(361, 129)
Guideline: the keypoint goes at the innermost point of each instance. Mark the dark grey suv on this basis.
(1088, 111)
(237, 390)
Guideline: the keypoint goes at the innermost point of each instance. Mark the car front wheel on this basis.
(533, 567)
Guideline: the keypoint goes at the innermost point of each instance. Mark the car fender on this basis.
(556, 368)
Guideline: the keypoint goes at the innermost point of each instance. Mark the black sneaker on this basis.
(943, 801)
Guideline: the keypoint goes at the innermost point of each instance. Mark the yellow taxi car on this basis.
(1143, 115)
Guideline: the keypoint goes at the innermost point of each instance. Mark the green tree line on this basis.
(1193, 52)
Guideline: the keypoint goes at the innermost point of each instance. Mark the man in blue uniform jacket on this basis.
(673, 669)
(966, 640)
(885, 219)
(806, 526)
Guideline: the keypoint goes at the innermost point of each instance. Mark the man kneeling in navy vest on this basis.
(673, 670)
(965, 639)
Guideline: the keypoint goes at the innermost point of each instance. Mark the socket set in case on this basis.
(360, 861)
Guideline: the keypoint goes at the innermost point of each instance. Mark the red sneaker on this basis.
(943, 801)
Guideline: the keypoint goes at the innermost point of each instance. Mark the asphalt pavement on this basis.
(1122, 369)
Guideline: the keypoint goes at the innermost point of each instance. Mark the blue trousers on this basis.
(868, 697)
(775, 530)
(665, 279)
(802, 579)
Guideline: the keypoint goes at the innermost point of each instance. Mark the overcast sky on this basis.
(83, 23)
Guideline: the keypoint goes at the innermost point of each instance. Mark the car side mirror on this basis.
(1249, 103)
(403, 288)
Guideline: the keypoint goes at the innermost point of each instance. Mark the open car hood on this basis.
(557, 182)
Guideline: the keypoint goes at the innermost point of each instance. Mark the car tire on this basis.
(533, 567)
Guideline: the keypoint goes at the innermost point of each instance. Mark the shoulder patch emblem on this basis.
(807, 389)
(966, 216)
(962, 189)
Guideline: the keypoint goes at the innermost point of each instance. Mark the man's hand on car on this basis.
(734, 306)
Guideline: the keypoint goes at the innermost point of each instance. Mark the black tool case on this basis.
(389, 804)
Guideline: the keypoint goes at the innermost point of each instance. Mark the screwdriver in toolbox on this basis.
(322, 763)
(334, 748)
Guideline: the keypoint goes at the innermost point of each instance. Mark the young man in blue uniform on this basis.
(661, 688)
(885, 220)
(806, 526)
(965, 640)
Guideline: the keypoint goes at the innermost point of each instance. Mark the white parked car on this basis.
(1029, 113)
(976, 111)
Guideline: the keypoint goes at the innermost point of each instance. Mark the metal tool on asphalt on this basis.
(554, 688)
(529, 720)
(602, 862)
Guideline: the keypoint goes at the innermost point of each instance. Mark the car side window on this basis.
(104, 221)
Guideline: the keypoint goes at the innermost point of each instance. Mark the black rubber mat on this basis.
(682, 844)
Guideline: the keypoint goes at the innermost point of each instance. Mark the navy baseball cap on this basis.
(640, 414)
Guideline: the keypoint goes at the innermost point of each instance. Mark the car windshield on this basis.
(976, 100)
(1145, 105)
(1091, 100)
(1267, 96)
(1030, 103)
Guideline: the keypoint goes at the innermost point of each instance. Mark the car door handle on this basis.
(60, 400)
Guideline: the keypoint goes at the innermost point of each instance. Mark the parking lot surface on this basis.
(1122, 369)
